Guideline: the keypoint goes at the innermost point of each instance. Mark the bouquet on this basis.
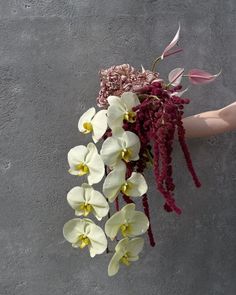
(139, 115)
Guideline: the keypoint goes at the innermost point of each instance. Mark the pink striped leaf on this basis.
(175, 76)
(179, 93)
(166, 52)
(197, 76)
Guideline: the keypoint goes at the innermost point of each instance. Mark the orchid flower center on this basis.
(124, 188)
(88, 127)
(87, 208)
(82, 241)
(124, 259)
(82, 169)
(130, 116)
(125, 229)
(126, 154)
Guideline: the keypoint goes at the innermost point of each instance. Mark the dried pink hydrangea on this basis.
(118, 79)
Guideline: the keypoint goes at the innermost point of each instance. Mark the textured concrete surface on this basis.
(50, 54)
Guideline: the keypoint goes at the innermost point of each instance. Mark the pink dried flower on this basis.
(114, 81)
(118, 79)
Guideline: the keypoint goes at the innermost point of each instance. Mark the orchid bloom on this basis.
(84, 232)
(126, 251)
(120, 108)
(92, 122)
(175, 76)
(86, 161)
(87, 200)
(124, 146)
(134, 186)
(167, 52)
(130, 222)
(197, 76)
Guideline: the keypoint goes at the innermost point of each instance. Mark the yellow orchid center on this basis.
(83, 241)
(88, 127)
(125, 187)
(125, 229)
(82, 169)
(126, 154)
(87, 208)
(124, 259)
(130, 116)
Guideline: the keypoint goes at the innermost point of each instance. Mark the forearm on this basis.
(210, 123)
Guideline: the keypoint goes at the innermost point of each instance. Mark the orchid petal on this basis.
(135, 246)
(85, 194)
(76, 156)
(98, 240)
(137, 185)
(113, 100)
(72, 229)
(99, 204)
(131, 140)
(113, 224)
(114, 264)
(99, 123)
(113, 147)
(120, 108)
(110, 151)
(115, 116)
(114, 181)
(122, 244)
(96, 169)
(86, 117)
(76, 197)
(139, 223)
(130, 100)
(135, 222)
(95, 164)
(130, 248)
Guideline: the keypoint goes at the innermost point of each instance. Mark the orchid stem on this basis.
(109, 213)
(150, 157)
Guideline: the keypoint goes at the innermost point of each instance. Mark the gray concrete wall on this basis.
(50, 54)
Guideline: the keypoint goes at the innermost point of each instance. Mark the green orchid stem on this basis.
(108, 216)
(150, 157)
(155, 62)
(168, 85)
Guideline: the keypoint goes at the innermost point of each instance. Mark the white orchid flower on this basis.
(125, 147)
(130, 222)
(86, 161)
(87, 200)
(120, 108)
(134, 186)
(93, 122)
(84, 232)
(126, 251)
